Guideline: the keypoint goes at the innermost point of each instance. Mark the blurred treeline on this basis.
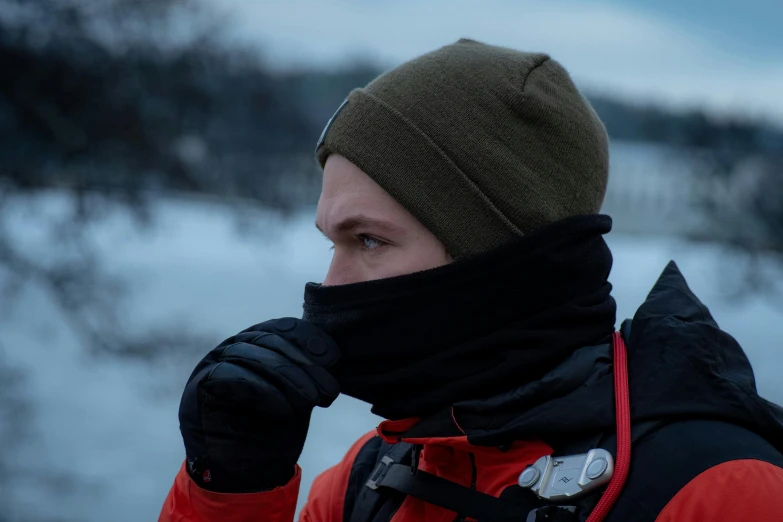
(99, 96)
(119, 102)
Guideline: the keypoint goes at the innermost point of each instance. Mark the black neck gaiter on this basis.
(414, 344)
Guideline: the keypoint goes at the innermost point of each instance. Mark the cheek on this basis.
(353, 265)
(344, 269)
(401, 261)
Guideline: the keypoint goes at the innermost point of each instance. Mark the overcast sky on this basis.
(729, 58)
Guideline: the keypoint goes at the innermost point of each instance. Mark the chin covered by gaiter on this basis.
(414, 344)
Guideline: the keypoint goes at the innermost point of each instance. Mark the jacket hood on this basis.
(681, 365)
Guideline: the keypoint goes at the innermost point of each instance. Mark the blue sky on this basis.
(754, 27)
(721, 55)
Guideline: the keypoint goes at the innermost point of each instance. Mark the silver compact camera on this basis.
(560, 478)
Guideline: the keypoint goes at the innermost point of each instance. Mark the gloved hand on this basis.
(246, 408)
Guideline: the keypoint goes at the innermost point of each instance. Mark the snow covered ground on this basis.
(107, 424)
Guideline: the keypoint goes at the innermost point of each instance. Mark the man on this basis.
(468, 302)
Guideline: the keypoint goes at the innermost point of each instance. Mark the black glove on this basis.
(246, 408)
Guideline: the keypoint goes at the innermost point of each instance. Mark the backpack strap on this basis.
(363, 504)
(467, 502)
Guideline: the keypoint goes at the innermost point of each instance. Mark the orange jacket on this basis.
(739, 491)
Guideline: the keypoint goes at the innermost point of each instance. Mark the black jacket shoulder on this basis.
(668, 459)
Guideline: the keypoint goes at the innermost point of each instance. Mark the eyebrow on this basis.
(360, 221)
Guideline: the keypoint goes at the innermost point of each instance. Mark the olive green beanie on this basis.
(482, 144)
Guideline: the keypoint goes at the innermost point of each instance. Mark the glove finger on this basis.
(240, 392)
(264, 360)
(316, 352)
(328, 386)
(261, 360)
(277, 344)
(320, 347)
(254, 383)
(209, 360)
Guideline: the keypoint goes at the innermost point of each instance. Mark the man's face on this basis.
(374, 237)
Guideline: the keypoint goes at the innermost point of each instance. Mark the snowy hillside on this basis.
(114, 425)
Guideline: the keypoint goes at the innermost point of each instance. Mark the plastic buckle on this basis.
(379, 473)
(559, 478)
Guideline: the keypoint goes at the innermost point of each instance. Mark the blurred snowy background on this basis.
(157, 190)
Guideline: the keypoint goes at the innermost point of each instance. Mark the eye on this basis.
(369, 242)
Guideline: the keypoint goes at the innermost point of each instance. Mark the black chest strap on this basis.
(467, 502)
